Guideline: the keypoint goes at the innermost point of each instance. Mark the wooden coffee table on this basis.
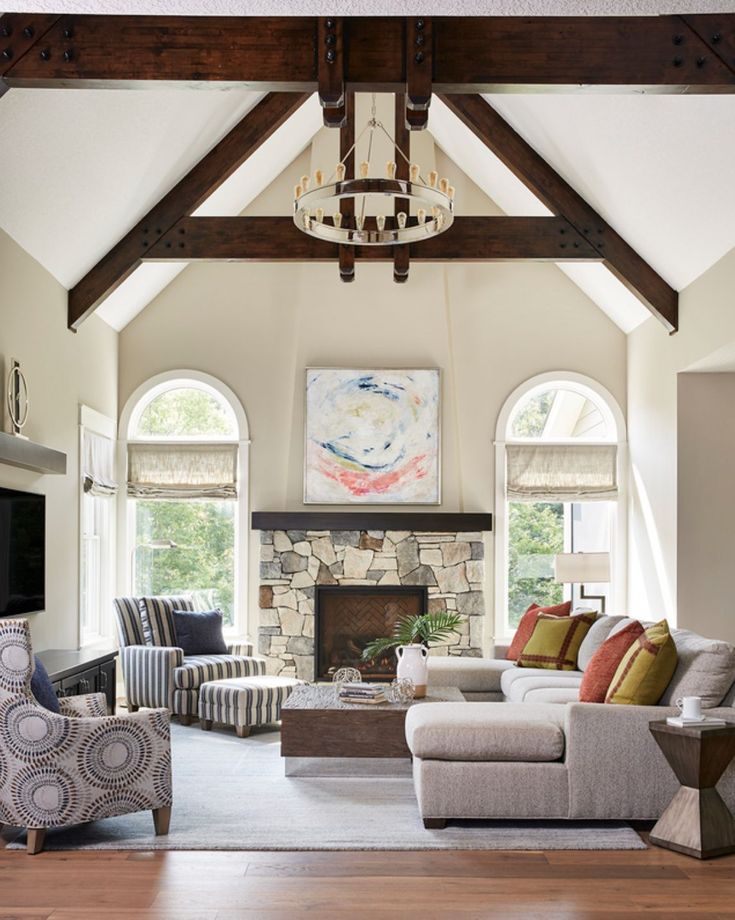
(321, 734)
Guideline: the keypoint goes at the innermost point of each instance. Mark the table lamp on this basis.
(578, 568)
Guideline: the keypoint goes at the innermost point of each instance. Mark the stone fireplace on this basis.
(301, 631)
(347, 618)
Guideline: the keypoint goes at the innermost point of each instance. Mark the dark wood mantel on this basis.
(428, 521)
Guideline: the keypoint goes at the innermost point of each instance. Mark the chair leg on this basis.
(242, 731)
(206, 725)
(435, 824)
(36, 837)
(186, 720)
(161, 820)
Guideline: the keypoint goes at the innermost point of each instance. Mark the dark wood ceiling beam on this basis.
(549, 187)
(402, 137)
(19, 33)
(277, 239)
(184, 198)
(346, 256)
(470, 54)
(717, 32)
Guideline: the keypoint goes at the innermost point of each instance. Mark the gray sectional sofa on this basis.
(522, 746)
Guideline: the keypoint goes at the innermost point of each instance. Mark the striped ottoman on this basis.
(244, 701)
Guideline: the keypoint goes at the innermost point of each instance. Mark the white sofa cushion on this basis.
(706, 668)
(518, 681)
(598, 633)
(476, 675)
(485, 731)
(554, 695)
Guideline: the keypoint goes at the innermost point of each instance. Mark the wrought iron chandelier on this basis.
(334, 210)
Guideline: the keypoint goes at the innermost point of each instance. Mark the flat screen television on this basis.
(22, 552)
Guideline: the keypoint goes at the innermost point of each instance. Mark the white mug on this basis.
(690, 707)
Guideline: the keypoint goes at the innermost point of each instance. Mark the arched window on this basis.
(560, 464)
(186, 459)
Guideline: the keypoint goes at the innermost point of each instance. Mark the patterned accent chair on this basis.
(156, 671)
(77, 766)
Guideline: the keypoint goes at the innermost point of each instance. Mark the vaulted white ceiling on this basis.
(79, 168)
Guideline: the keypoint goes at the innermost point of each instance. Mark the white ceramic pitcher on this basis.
(412, 663)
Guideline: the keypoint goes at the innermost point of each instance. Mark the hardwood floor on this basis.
(467, 885)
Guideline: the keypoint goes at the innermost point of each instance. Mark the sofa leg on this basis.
(435, 824)
(132, 707)
(242, 731)
(186, 720)
(36, 837)
(206, 724)
(161, 820)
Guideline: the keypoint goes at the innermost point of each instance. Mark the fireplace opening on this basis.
(347, 618)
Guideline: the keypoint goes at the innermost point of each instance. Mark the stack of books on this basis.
(362, 693)
(704, 722)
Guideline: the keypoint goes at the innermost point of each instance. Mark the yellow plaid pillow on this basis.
(646, 669)
(555, 641)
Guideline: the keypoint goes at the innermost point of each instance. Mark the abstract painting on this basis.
(372, 436)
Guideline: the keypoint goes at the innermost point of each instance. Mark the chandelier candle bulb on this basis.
(364, 168)
(433, 178)
(390, 169)
(305, 183)
(444, 185)
(421, 214)
(297, 191)
(337, 219)
(340, 172)
(318, 177)
(414, 171)
(320, 215)
(450, 192)
(401, 218)
(435, 212)
(380, 221)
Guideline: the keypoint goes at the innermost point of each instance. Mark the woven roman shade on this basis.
(182, 471)
(98, 464)
(562, 472)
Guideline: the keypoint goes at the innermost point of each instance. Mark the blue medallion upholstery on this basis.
(160, 674)
(80, 764)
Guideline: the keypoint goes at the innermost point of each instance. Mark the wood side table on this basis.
(697, 821)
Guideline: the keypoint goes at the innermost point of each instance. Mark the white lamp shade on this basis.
(578, 568)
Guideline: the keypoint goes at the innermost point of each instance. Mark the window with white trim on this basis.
(183, 495)
(558, 465)
(97, 525)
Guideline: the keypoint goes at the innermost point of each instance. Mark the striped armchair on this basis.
(78, 765)
(156, 671)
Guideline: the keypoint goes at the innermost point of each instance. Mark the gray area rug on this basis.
(232, 794)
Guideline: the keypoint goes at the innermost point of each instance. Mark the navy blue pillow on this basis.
(41, 687)
(199, 632)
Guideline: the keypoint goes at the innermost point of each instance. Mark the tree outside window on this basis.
(186, 545)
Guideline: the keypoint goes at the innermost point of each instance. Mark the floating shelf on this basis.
(31, 456)
(429, 521)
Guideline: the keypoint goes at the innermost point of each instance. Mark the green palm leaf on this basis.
(428, 628)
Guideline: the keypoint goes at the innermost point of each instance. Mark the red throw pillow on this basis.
(528, 623)
(604, 663)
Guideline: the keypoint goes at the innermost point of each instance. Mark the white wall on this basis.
(62, 370)
(706, 501)
(257, 327)
(705, 341)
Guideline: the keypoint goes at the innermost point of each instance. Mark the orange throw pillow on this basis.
(528, 623)
(604, 663)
